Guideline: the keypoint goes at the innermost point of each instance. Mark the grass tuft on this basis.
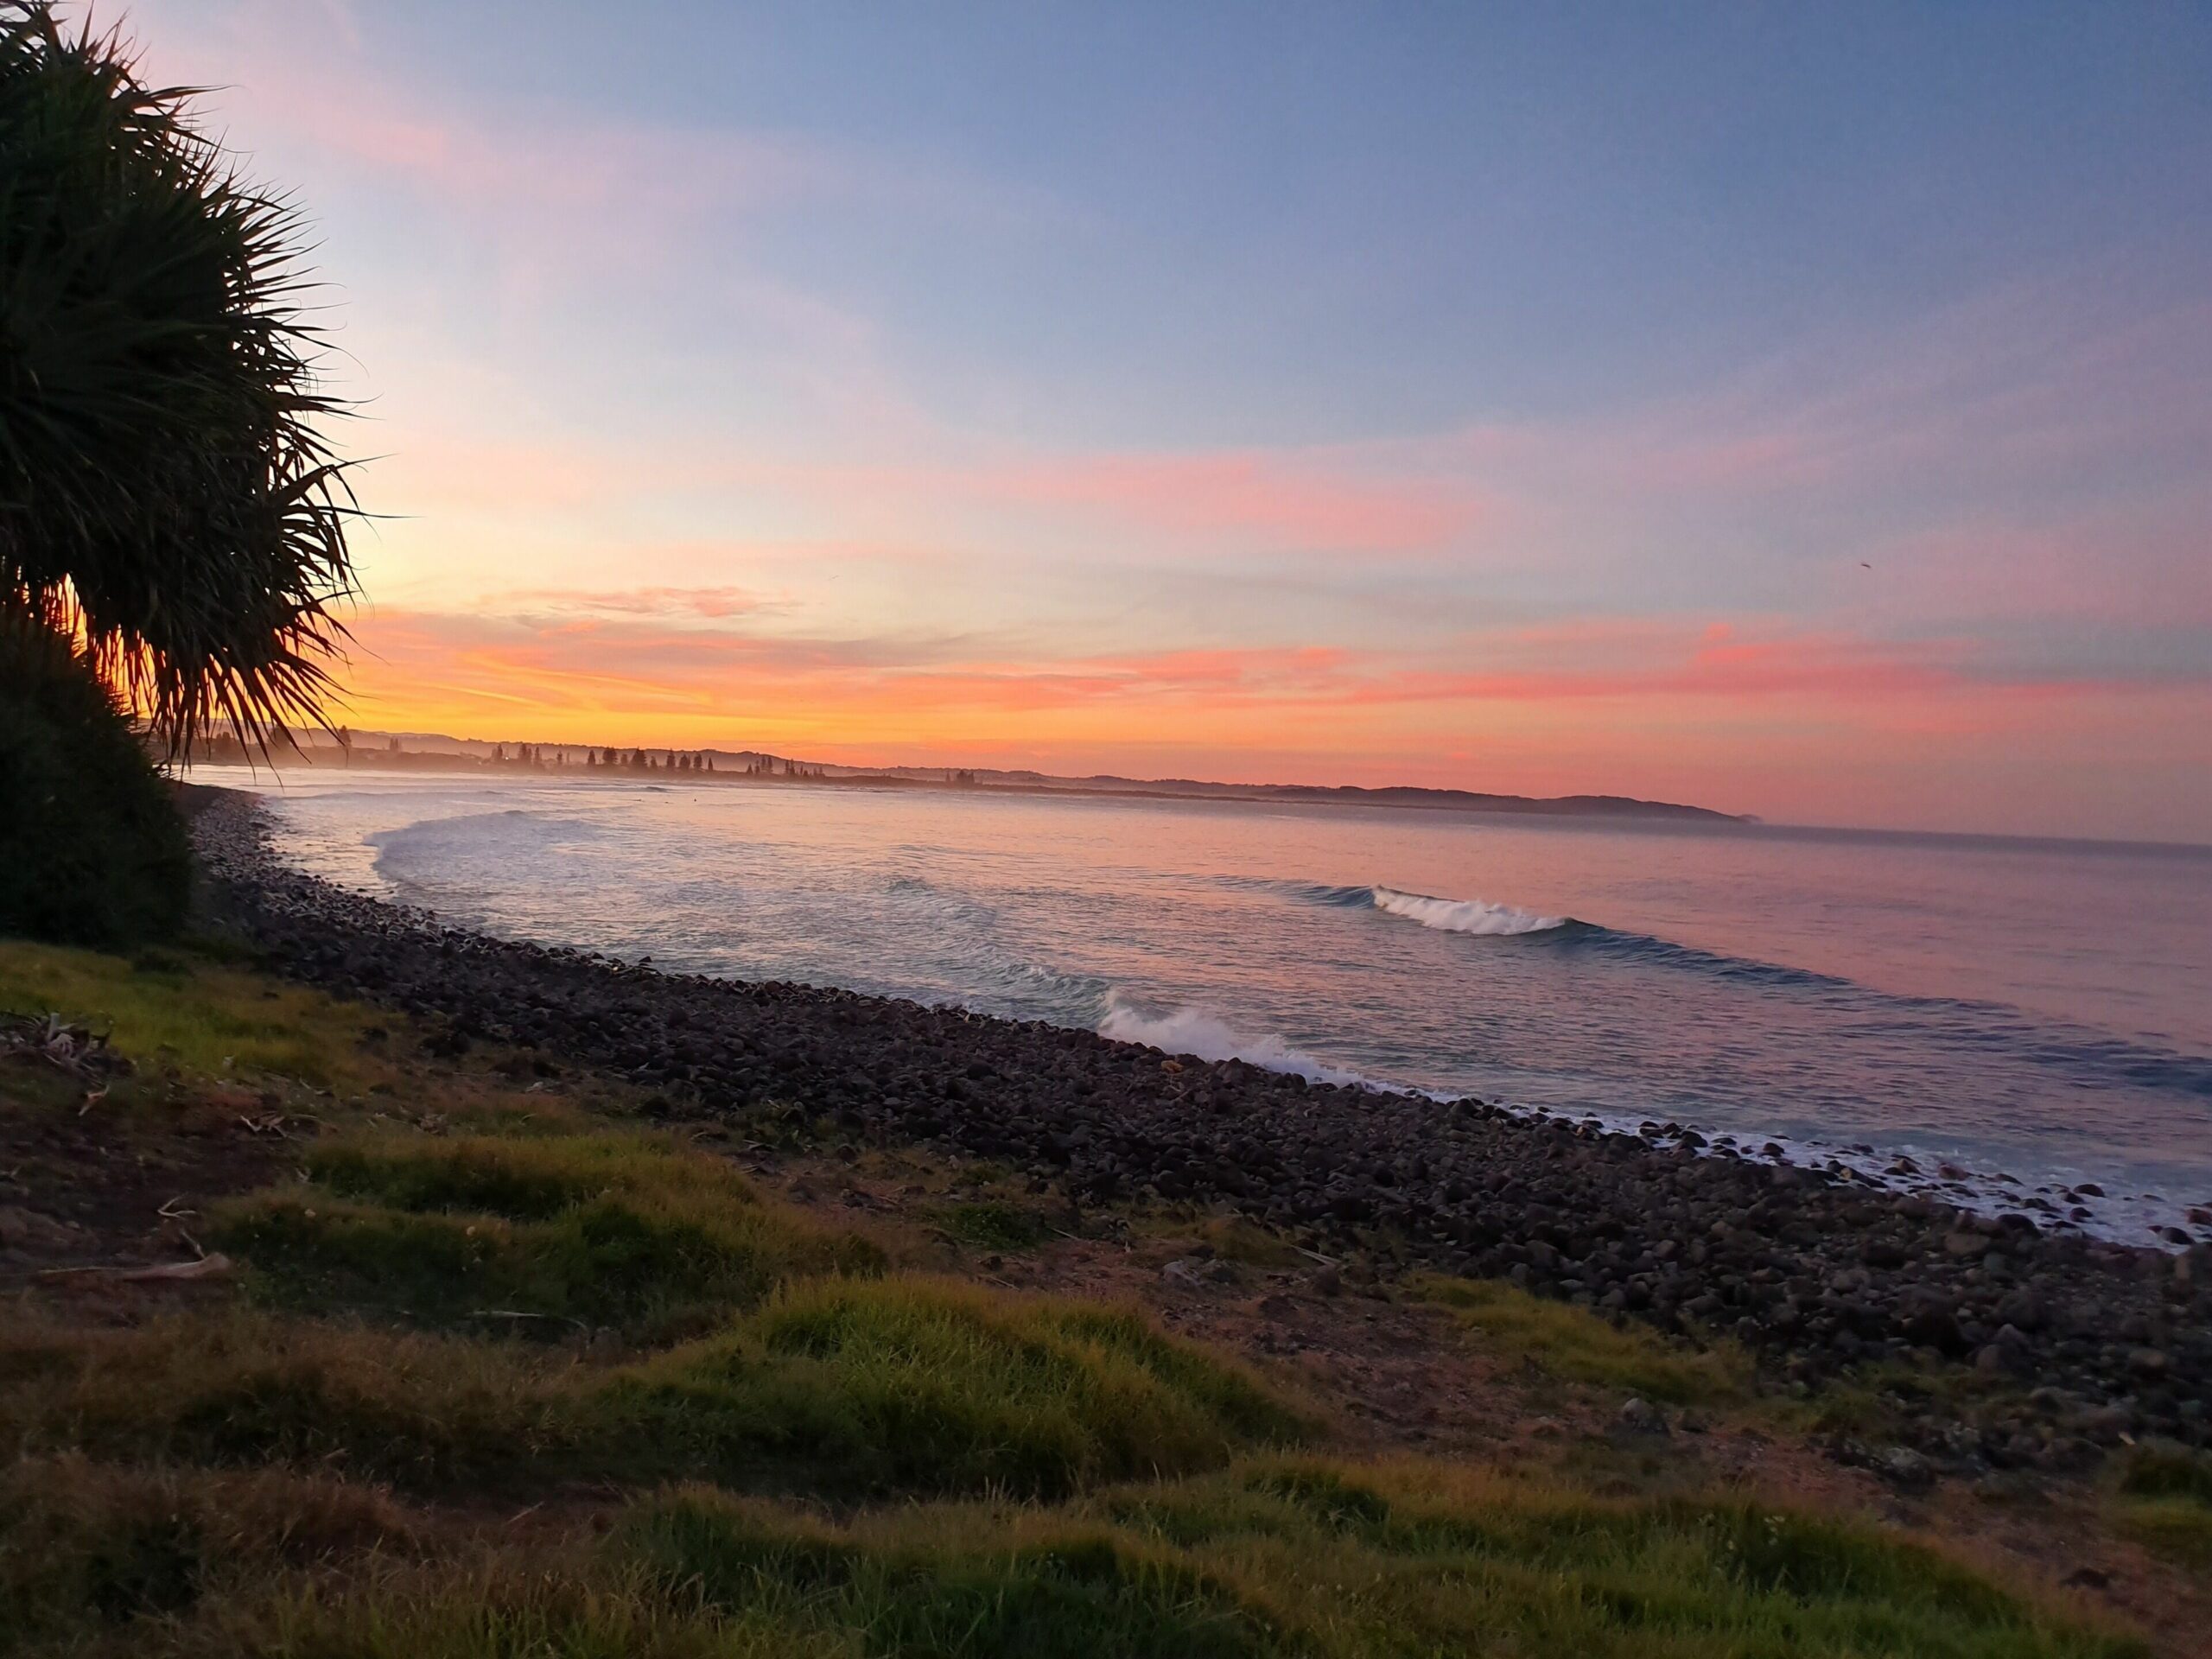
(918, 1384)
(626, 1230)
(1043, 1589)
(1236, 1238)
(83, 1543)
(243, 1390)
(2164, 1503)
(1578, 1345)
(901, 1385)
(1422, 1558)
(994, 1224)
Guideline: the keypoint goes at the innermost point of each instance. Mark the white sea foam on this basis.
(1463, 915)
(1189, 1031)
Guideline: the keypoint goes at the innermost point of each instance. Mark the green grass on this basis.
(919, 1384)
(1234, 1238)
(186, 1010)
(2164, 1502)
(626, 1230)
(947, 1582)
(1411, 1558)
(241, 1390)
(2165, 1470)
(1578, 1345)
(895, 1385)
(994, 1224)
(1283, 1559)
(1009, 1475)
(85, 1543)
(1266, 1558)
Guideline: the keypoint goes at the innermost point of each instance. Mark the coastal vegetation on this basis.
(1561, 1339)
(173, 517)
(91, 851)
(500, 1357)
(173, 503)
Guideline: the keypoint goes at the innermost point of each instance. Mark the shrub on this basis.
(91, 848)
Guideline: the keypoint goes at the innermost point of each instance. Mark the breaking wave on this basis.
(1476, 916)
(1189, 1031)
(2087, 1059)
(434, 844)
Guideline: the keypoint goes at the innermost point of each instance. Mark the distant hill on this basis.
(433, 751)
(1404, 795)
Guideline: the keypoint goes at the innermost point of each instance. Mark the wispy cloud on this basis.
(673, 444)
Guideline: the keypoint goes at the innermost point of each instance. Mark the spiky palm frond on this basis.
(167, 494)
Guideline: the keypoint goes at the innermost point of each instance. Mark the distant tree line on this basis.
(650, 759)
(226, 748)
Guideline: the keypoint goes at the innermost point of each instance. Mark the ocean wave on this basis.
(2089, 1058)
(437, 842)
(1203, 1036)
(1649, 949)
(1473, 916)
(1476, 916)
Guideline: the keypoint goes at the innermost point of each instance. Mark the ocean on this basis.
(2010, 1016)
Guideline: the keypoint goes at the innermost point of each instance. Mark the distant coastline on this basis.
(433, 752)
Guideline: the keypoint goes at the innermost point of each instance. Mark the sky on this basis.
(1797, 410)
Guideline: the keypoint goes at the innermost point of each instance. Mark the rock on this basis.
(1905, 1468)
(2103, 1424)
(1641, 1417)
(2149, 1362)
(1965, 1246)
(1882, 1252)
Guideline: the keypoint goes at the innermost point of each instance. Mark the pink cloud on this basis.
(1235, 499)
(634, 649)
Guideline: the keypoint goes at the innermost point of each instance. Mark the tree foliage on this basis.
(168, 496)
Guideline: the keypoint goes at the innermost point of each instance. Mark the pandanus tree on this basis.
(172, 518)
(169, 500)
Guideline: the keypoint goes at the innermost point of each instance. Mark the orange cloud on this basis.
(632, 666)
(1810, 728)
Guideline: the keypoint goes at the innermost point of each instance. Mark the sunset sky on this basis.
(1804, 411)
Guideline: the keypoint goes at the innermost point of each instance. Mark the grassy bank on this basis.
(472, 1356)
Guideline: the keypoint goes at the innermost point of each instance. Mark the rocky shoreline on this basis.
(1813, 1268)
